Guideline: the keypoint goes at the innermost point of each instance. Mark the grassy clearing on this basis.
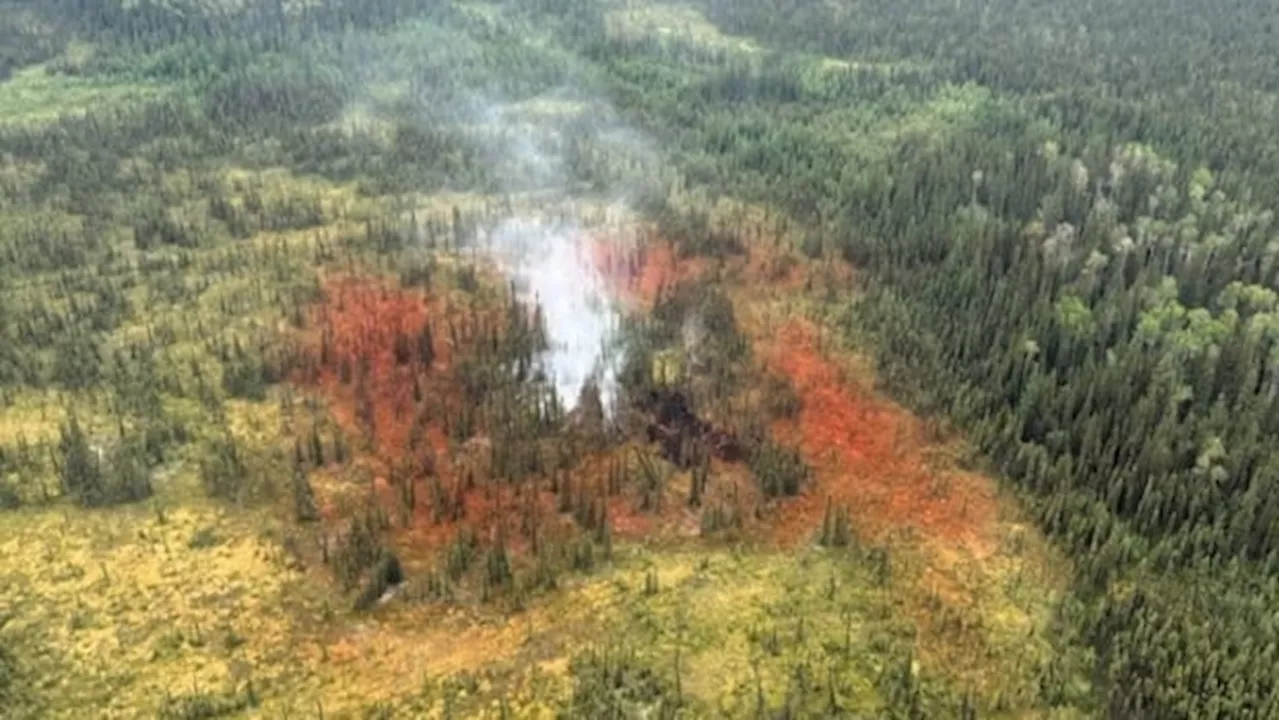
(546, 108)
(949, 109)
(676, 22)
(117, 610)
(743, 623)
(34, 95)
(31, 415)
(146, 603)
(734, 630)
(688, 26)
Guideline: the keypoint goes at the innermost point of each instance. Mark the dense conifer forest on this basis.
(942, 380)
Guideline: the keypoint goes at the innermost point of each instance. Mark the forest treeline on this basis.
(1063, 218)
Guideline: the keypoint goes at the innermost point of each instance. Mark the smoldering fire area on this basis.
(552, 270)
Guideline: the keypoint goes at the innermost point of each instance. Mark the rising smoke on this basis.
(555, 145)
(549, 260)
(550, 265)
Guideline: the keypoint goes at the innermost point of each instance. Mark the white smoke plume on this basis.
(549, 260)
(551, 265)
(555, 145)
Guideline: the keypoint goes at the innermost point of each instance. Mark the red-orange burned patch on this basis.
(867, 452)
(380, 355)
(371, 345)
(638, 274)
(385, 358)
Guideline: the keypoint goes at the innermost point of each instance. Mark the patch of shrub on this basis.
(224, 472)
(9, 497)
(360, 547)
(203, 538)
(616, 684)
(95, 477)
(205, 705)
(779, 397)
(779, 471)
(695, 236)
(387, 573)
(837, 529)
(8, 678)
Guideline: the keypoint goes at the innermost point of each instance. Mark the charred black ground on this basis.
(684, 437)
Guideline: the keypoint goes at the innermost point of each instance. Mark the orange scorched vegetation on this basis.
(869, 454)
(396, 399)
(368, 353)
(383, 358)
(865, 452)
(638, 272)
